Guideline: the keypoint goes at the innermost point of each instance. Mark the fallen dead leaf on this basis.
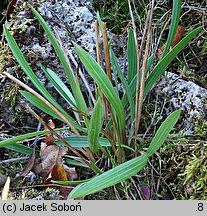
(178, 35)
(49, 138)
(177, 38)
(10, 8)
(50, 156)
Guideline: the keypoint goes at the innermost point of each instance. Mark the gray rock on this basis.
(76, 19)
(184, 95)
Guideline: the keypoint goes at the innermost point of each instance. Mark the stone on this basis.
(184, 95)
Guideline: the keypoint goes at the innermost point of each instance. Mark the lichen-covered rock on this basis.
(184, 95)
(73, 20)
(76, 20)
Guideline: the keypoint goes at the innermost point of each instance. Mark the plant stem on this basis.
(58, 136)
(43, 100)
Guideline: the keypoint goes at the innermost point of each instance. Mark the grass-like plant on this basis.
(110, 128)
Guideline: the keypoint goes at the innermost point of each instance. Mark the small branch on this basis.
(82, 77)
(98, 56)
(13, 160)
(43, 100)
(106, 51)
(57, 135)
(144, 65)
(97, 43)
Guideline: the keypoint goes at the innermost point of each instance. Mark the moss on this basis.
(183, 168)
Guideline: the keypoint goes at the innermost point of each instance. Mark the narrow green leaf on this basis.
(95, 167)
(60, 86)
(10, 141)
(111, 177)
(26, 68)
(103, 83)
(174, 25)
(95, 126)
(163, 132)
(75, 163)
(131, 56)
(161, 66)
(22, 149)
(117, 68)
(62, 58)
(57, 49)
(38, 103)
(82, 142)
(81, 102)
(42, 106)
(70, 182)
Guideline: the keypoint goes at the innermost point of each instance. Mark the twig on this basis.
(108, 71)
(106, 51)
(97, 42)
(64, 51)
(98, 56)
(144, 65)
(14, 160)
(57, 135)
(43, 100)
(31, 160)
(82, 77)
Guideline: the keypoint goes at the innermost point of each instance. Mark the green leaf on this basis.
(82, 142)
(95, 125)
(76, 92)
(42, 106)
(103, 83)
(81, 102)
(21, 149)
(111, 177)
(70, 182)
(26, 68)
(161, 66)
(131, 56)
(163, 132)
(124, 82)
(75, 163)
(60, 86)
(174, 25)
(10, 141)
(57, 49)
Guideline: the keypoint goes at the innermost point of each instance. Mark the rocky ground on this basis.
(73, 21)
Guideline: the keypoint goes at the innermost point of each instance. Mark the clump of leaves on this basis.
(111, 130)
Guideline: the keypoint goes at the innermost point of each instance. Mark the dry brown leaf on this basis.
(178, 35)
(160, 51)
(177, 38)
(58, 173)
(10, 8)
(50, 156)
(49, 138)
